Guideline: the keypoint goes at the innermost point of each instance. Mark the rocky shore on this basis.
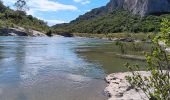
(20, 31)
(118, 87)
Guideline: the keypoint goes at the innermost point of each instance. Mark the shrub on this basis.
(157, 85)
(49, 33)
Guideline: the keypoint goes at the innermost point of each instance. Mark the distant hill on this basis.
(120, 16)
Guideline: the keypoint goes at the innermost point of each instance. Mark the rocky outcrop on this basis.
(138, 7)
(119, 89)
(147, 7)
(19, 31)
(12, 32)
(36, 33)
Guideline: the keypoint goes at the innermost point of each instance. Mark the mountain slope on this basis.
(137, 7)
(120, 16)
(118, 21)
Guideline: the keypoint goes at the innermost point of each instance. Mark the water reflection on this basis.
(42, 68)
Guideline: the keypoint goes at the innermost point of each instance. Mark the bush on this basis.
(49, 33)
(156, 86)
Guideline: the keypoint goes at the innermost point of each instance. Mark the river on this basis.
(57, 68)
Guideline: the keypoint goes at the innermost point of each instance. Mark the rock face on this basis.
(138, 7)
(141, 7)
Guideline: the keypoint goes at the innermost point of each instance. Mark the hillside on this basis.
(11, 18)
(120, 16)
(118, 21)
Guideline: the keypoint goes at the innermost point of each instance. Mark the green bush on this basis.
(157, 85)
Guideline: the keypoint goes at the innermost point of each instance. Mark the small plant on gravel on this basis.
(157, 85)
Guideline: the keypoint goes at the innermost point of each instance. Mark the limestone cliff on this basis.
(137, 7)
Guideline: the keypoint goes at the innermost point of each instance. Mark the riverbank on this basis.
(132, 57)
(124, 37)
(118, 87)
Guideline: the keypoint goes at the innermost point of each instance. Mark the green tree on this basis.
(2, 7)
(21, 8)
(157, 85)
(21, 5)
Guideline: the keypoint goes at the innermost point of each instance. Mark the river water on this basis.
(57, 68)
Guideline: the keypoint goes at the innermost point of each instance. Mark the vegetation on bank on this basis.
(115, 22)
(18, 17)
(110, 36)
(156, 86)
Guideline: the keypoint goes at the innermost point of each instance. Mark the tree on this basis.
(2, 7)
(21, 8)
(21, 5)
(157, 85)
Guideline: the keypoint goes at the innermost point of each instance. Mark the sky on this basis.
(58, 11)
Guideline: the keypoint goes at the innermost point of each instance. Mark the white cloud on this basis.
(46, 5)
(52, 22)
(8, 2)
(83, 2)
(77, 0)
(43, 5)
(37, 6)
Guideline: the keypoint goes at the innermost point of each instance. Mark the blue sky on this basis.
(58, 11)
